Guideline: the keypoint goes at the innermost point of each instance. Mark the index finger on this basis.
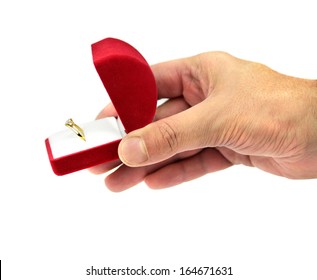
(170, 77)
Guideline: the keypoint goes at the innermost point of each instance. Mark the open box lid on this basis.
(128, 80)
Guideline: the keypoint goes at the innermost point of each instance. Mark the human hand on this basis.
(220, 111)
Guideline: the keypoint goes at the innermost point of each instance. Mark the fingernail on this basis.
(133, 151)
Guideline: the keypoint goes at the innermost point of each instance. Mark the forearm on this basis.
(305, 159)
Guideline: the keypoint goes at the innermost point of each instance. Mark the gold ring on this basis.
(76, 129)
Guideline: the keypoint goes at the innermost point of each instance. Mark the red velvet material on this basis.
(131, 86)
(83, 159)
(128, 80)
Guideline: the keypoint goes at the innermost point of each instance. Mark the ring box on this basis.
(131, 86)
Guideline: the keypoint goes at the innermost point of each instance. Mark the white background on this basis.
(52, 227)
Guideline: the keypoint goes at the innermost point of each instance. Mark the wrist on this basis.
(313, 110)
(311, 130)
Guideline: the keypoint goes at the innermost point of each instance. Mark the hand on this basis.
(220, 111)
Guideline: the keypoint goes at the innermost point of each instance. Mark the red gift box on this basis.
(131, 87)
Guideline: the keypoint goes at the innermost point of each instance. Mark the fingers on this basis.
(207, 161)
(171, 107)
(168, 77)
(182, 168)
(126, 177)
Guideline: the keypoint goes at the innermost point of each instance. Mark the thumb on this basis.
(188, 130)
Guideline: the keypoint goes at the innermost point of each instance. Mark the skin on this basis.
(220, 111)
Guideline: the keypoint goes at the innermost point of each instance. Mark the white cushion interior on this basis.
(97, 133)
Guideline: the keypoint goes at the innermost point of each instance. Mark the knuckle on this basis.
(168, 134)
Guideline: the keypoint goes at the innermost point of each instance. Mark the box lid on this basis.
(129, 81)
